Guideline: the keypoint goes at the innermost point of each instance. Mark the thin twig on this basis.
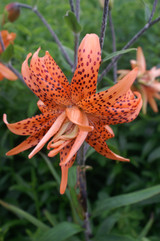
(76, 35)
(77, 9)
(1, 42)
(104, 22)
(72, 6)
(35, 10)
(153, 10)
(113, 45)
(9, 65)
(147, 25)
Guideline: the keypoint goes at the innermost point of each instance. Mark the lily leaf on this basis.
(110, 56)
(61, 232)
(72, 22)
(24, 214)
(126, 199)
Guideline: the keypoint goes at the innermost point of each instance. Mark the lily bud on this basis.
(13, 12)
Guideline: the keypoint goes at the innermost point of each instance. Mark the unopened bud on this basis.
(12, 11)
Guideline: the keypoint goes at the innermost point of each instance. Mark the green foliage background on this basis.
(29, 184)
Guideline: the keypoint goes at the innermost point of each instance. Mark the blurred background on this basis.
(29, 184)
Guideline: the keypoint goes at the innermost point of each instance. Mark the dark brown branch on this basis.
(104, 22)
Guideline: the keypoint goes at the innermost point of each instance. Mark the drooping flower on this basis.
(5, 72)
(74, 113)
(147, 84)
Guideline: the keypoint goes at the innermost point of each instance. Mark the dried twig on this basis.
(104, 22)
(135, 37)
(113, 45)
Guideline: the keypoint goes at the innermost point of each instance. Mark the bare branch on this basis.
(35, 10)
(76, 35)
(135, 37)
(113, 45)
(153, 10)
(104, 22)
(72, 6)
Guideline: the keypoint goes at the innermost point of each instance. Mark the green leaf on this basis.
(72, 22)
(24, 214)
(115, 238)
(61, 232)
(110, 56)
(126, 199)
(7, 54)
(155, 154)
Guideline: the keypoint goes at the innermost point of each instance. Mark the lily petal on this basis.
(85, 77)
(47, 89)
(78, 117)
(54, 128)
(7, 73)
(94, 139)
(141, 62)
(31, 125)
(98, 103)
(64, 168)
(28, 143)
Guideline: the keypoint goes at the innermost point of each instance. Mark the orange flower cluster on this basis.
(74, 113)
(147, 84)
(5, 72)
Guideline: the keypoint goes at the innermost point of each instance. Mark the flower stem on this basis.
(81, 183)
(135, 37)
(104, 23)
(35, 10)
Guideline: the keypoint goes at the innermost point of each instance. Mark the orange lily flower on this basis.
(74, 113)
(4, 71)
(147, 85)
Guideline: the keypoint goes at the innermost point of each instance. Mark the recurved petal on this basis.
(30, 125)
(152, 102)
(133, 63)
(39, 78)
(7, 73)
(94, 139)
(105, 131)
(47, 68)
(28, 143)
(141, 62)
(78, 117)
(102, 103)
(84, 80)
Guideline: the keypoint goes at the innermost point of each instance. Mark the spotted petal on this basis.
(31, 125)
(28, 143)
(46, 80)
(85, 77)
(94, 139)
